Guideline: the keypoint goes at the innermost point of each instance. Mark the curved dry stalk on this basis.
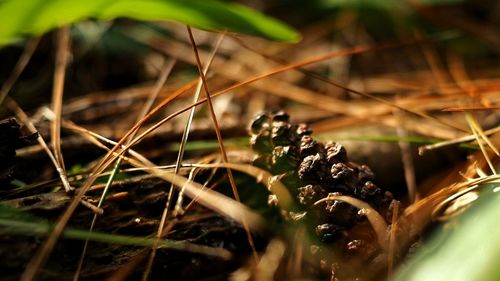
(285, 199)
(392, 240)
(62, 56)
(270, 261)
(210, 199)
(439, 209)
(376, 220)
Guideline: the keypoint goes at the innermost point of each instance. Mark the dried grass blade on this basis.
(285, 199)
(210, 199)
(392, 241)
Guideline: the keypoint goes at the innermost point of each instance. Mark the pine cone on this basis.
(311, 171)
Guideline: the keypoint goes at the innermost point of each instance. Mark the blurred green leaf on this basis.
(468, 249)
(381, 4)
(10, 213)
(33, 17)
(13, 221)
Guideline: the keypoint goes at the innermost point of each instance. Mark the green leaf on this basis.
(34, 17)
(469, 249)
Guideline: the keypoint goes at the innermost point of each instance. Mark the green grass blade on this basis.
(15, 226)
(32, 17)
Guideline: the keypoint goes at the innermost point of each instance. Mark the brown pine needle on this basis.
(187, 128)
(478, 132)
(422, 149)
(219, 139)
(482, 134)
(180, 156)
(356, 92)
(478, 108)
